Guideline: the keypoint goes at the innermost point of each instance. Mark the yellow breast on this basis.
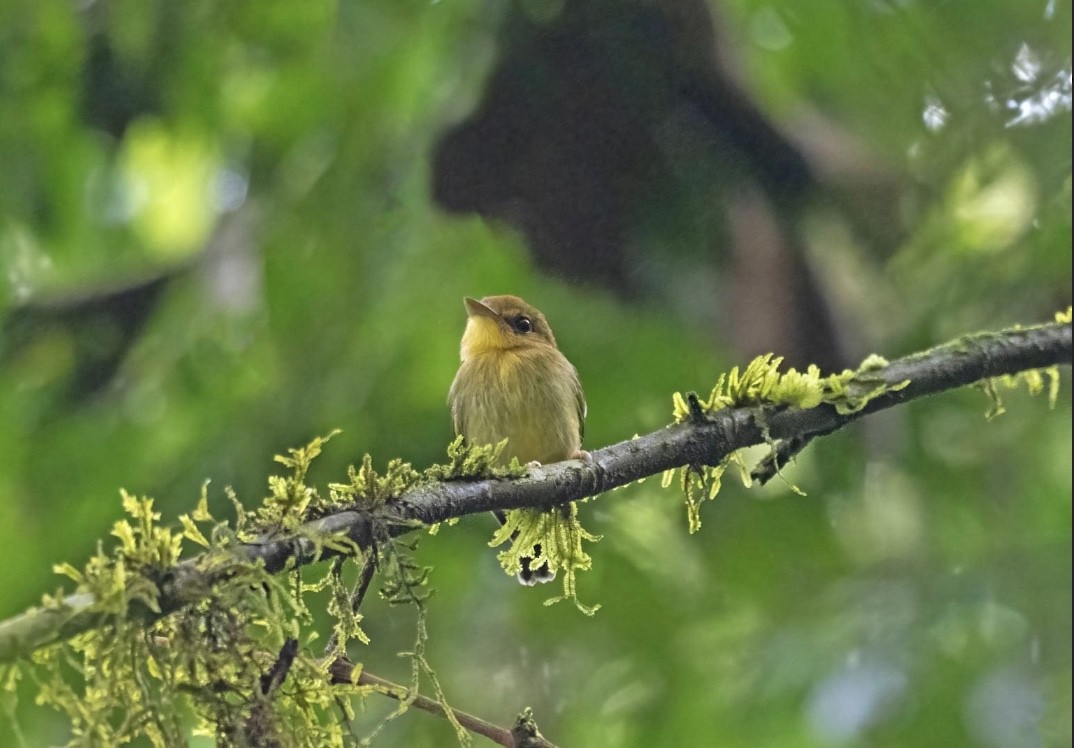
(527, 396)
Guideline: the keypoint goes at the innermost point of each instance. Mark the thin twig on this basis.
(277, 674)
(782, 453)
(343, 672)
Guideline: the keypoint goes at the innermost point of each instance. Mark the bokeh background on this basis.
(228, 227)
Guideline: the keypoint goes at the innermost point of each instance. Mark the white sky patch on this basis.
(935, 114)
(1050, 100)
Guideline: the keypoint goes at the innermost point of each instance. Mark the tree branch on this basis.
(702, 441)
(343, 672)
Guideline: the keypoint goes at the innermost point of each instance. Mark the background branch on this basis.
(962, 362)
(343, 672)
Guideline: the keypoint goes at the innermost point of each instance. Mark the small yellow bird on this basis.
(514, 384)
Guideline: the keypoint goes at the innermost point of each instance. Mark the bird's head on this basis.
(502, 323)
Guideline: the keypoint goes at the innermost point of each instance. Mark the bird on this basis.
(514, 383)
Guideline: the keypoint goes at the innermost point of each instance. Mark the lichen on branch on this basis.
(146, 667)
(559, 535)
(761, 385)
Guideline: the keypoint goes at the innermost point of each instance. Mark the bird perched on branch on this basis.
(513, 383)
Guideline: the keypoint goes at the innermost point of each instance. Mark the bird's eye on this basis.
(522, 325)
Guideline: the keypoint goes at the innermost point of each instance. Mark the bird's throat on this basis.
(482, 335)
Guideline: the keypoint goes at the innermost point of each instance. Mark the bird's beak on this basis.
(475, 308)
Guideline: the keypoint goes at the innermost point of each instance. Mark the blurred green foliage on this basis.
(271, 160)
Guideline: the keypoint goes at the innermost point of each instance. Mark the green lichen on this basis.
(471, 462)
(203, 668)
(368, 489)
(759, 385)
(196, 669)
(558, 531)
(291, 501)
(1035, 381)
(559, 534)
(474, 462)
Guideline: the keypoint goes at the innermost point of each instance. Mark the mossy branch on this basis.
(703, 440)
